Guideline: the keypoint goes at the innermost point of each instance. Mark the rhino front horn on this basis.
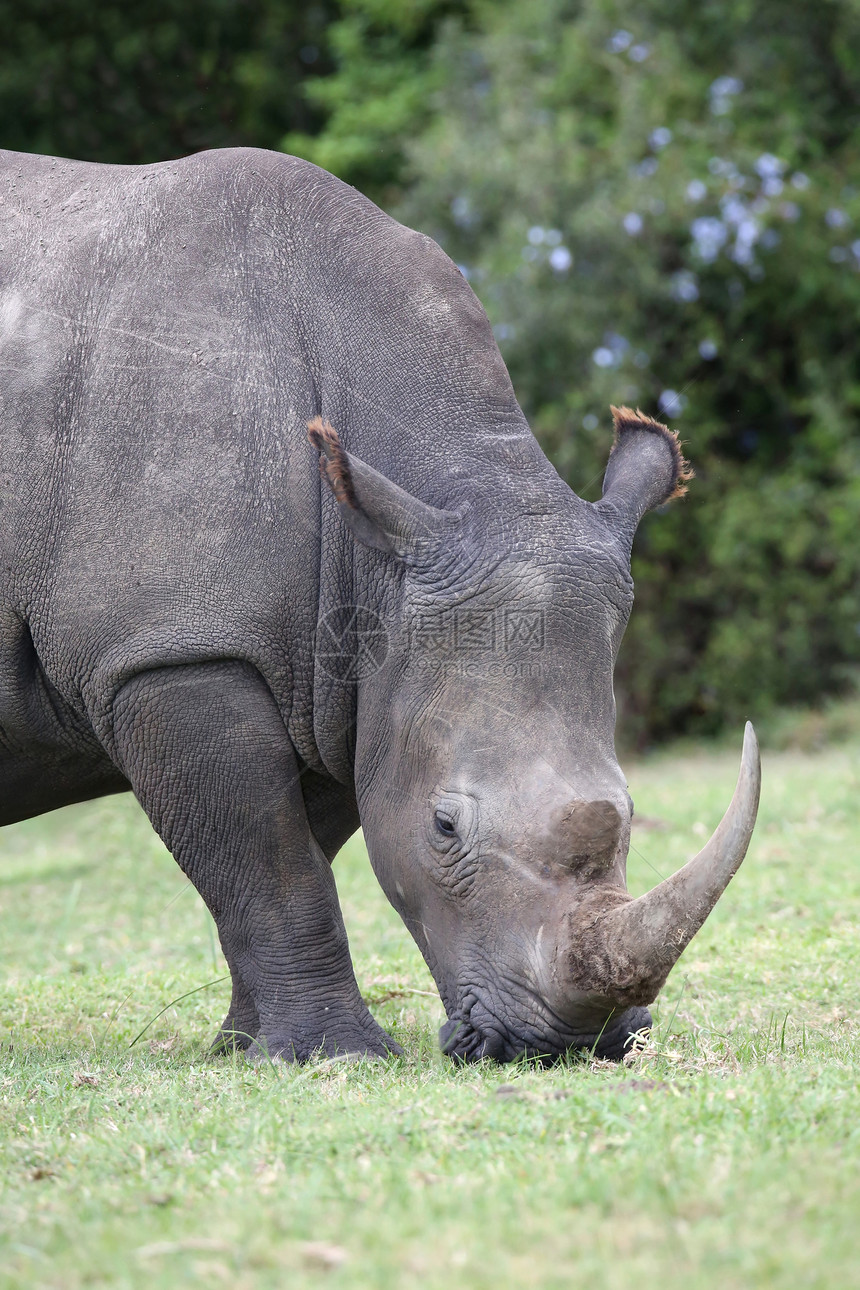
(652, 931)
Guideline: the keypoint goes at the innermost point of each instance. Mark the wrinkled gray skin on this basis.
(169, 546)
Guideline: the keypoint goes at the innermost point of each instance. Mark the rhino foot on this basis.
(230, 1039)
(242, 1023)
(347, 1044)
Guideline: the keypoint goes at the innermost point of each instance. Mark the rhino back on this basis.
(165, 333)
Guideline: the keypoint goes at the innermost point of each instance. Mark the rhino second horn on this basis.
(654, 929)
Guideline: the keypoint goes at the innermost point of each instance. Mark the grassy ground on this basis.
(726, 1155)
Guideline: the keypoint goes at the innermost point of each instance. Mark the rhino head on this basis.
(496, 815)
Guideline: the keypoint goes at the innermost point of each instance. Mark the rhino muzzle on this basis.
(612, 955)
(462, 1040)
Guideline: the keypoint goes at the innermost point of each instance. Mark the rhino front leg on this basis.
(206, 752)
(242, 1023)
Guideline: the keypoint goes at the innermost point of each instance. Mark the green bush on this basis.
(658, 205)
(157, 79)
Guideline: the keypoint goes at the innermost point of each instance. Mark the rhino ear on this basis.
(379, 514)
(645, 469)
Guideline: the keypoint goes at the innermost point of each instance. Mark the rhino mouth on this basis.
(476, 1033)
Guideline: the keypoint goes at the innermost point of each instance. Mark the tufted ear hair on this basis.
(645, 469)
(378, 513)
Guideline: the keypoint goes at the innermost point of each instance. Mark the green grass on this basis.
(728, 1154)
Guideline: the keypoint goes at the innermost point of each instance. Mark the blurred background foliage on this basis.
(118, 82)
(658, 203)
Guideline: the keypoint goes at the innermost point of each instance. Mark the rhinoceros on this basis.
(408, 624)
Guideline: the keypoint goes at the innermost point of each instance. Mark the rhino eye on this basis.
(453, 822)
(445, 825)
